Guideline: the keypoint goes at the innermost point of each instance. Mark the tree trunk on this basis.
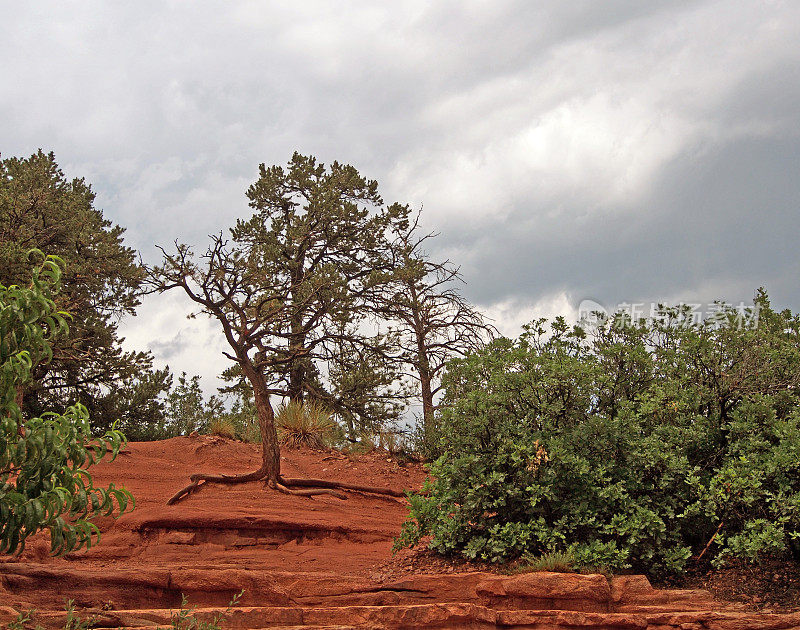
(270, 449)
(425, 378)
(427, 404)
(296, 377)
(270, 470)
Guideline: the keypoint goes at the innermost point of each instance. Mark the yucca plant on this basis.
(304, 424)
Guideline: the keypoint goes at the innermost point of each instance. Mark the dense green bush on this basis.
(629, 444)
(44, 484)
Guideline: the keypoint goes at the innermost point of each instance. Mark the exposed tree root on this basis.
(337, 485)
(199, 478)
(311, 487)
(311, 492)
(183, 492)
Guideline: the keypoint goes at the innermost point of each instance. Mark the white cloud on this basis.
(555, 137)
(509, 316)
(193, 346)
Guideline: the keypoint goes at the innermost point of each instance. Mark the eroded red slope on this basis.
(304, 562)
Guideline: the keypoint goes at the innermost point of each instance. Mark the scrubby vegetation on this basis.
(73, 620)
(624, 444)
(632, 444)
(555, 561)
(44, 484)
(186, 618)
(183, 619)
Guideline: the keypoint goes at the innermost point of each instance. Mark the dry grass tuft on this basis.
(222, 427)
(555, 561)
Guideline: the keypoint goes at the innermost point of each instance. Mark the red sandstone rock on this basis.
(550, 591)
(630, 589)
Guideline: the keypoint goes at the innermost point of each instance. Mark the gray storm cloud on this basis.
(613, 151)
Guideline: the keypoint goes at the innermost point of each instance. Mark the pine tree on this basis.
(41, 208)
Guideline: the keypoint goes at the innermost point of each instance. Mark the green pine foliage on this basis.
(44, 483)
(184, 410)
(100, 284)
(630, 445)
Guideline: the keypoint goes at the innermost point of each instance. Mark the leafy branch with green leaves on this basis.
(44, 482)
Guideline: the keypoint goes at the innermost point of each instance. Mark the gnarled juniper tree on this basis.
(289, 288)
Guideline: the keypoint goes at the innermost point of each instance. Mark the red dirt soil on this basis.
(310, 562)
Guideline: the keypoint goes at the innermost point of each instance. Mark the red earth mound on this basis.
(309, 562)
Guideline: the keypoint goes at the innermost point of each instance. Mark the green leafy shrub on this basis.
(23, 621)
(75, 621)
(426, 443)
(44, 484)
(629, 445)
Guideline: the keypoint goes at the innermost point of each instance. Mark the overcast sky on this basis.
(607, 150)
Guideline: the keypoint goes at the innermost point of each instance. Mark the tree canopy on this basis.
(319, 235)
(289, 287)
(41, 208)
